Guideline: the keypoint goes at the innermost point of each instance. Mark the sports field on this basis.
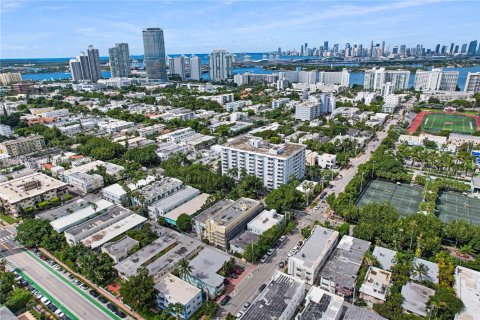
(454, 205)
(436, 122)
(404, 197)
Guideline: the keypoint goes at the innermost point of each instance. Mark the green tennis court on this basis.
(404, 197)
(436, 122)
(454, 205)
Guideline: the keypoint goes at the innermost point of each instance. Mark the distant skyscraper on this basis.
(456, 49)
(472, 48)
(382, 53)
(94, 63)
(195, 68)
(279, 51)
(451, 48)
(154, 54)
(403, 49)
(220, 65)
(325, 45)
(437, 48)
(179, 66)
(76, 69)
(464, 48)
(119, 57)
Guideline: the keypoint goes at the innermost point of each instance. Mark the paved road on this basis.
(51, 282)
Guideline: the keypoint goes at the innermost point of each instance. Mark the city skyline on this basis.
(201, 27)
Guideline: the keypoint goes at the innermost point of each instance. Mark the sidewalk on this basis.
(102, 291)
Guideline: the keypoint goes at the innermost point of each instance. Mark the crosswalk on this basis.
(7, 238)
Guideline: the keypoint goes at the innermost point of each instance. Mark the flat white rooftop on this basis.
(28, 186)
(189, 207)
(81, 215)
(99, 238)
(177, 289)
(467, 286)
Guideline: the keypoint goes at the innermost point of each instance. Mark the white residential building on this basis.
(195, 68)
(5, 130)
(323, 304)
(277, 103)
(436, 79)
(375, 78)
(172, 290)
(374, 289)
(307, 110)
(473, 82)
(178, 135)
(273, 164)
(220, 65)
(85, 182)
(114, 193)
(264, 221)
(307, 262)
(346, 112)
(327, 161)
(222, 99)
(179, 66)
(467, 286)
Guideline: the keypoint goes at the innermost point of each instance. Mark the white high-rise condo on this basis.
(274, 164)
(179, 66)
(220, 65)
(375, 78)
(473, 82)
(195, 68)
(437, 79)
(119, 57)
(154, 54)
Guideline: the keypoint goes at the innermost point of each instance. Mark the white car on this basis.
(59, 313)
(239, 314)
(45, 301)
(264, 258)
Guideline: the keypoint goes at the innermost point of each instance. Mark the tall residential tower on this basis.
(220, 65)
(154, 54)
(119, 57)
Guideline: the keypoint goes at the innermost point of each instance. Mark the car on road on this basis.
(246, 305)
(225, 300)
(102, 299)
(93, 293)
(281, 264)
(262, 287)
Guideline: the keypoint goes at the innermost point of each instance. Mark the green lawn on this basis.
(437, 122)
(7, 219)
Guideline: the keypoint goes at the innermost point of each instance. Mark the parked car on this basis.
(234, 276)
(57, 267)
(242, 269)
(45, 301)
(281, 264)
(38, 295)
(225, 300)
(75, 281)
(121, 314)
(245, 306)
(270, 252)
(93, 293)
(237, 272)
(102, 299)
(112, 307)
(71, 277)
(262, 287)
(264, 259)
(239, 314)
(84, 286)
(52, 307)
(59, 313)
(283, 238)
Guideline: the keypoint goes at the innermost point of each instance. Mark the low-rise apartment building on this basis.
(264, 221)
(22, 146)
(28, 191)
(307, 262)
(375, 287)
(339, 274)
(172, 290)
(230, 221)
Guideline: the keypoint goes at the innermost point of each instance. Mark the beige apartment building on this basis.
(22, 146)
(28, 191)
(230, 221)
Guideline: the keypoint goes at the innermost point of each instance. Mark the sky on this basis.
(43, 29)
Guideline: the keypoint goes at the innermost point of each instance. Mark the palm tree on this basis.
(420, 270)
(185, 270)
